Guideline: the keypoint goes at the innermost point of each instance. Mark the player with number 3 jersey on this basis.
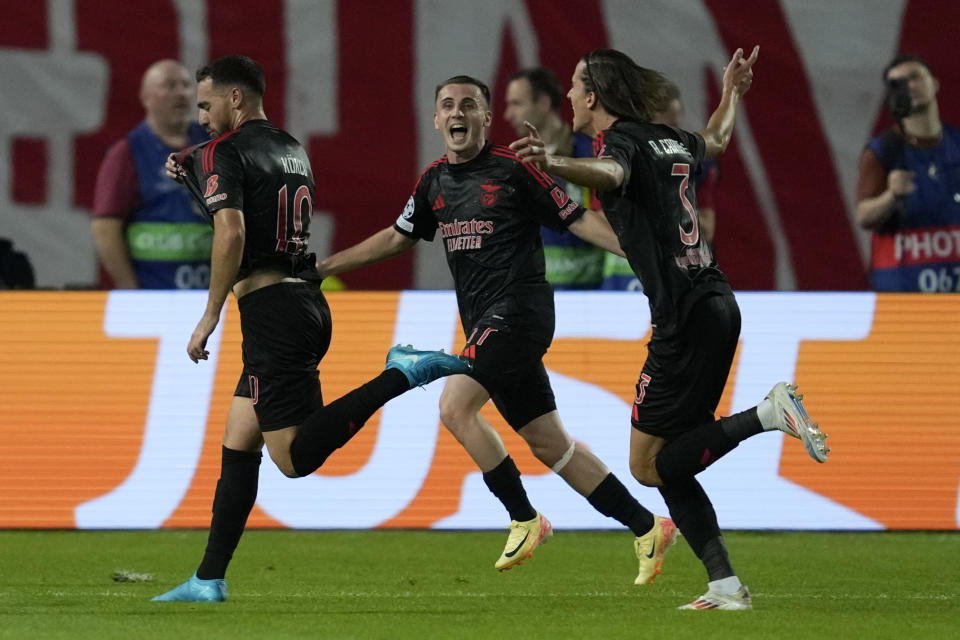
(642, 174)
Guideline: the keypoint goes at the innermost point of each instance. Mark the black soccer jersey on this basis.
(265, 173)
(488, 212)
(654, 213)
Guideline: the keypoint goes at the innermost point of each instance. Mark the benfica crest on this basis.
(489, 196)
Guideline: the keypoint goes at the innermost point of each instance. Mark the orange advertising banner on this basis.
(107, 424)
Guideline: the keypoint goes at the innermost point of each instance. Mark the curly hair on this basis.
(235, 70)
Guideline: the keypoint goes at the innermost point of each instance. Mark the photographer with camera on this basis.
(908, 190)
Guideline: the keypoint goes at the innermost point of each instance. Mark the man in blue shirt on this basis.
(147, 231)
(908, 190)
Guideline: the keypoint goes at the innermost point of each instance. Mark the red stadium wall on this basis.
(785, 193)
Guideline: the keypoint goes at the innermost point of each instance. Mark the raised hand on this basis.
(738, 74)
(530, 148)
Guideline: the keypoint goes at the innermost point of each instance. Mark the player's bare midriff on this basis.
(260, 279)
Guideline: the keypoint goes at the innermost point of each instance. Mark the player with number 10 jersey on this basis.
(263, 171)
(255, 185)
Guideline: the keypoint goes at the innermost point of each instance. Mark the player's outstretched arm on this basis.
(601, 174)
(383, 245)
(594, 228)
(737, 78)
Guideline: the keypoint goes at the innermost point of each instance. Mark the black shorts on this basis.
(509, 365)
(286, 331)
(684, 375)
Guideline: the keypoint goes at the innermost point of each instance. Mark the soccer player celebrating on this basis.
(255, 184)
(642, 173)
(489, 207)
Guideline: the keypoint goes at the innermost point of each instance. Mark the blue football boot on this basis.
(196, 590)
(422, 367)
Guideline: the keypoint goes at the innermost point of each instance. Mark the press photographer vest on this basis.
(168, 240)
(918, 249)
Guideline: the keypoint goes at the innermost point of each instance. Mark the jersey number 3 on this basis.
(683, 169)
(290, 236)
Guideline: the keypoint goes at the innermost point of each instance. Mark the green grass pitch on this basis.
(416, 584)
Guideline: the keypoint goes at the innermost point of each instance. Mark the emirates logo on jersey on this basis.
(211, 185)
(461, 235)
(489, 196)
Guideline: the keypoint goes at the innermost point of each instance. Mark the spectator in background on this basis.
(617, 273)
(16, 272)
(908, 190)
(535, 95)
(146, 229)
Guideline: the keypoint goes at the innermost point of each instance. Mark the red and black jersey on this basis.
(654, 213)
(265, 173)
(489, 211)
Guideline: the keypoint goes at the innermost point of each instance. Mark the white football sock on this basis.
(725, 586)
(767, 415)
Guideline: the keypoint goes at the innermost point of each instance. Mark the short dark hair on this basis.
(624, 88)
(543, 82)
(484, 89)
(899, 59)
(235, 70)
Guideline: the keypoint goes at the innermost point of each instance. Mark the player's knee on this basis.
(547, 439)
(288, 470)
(285, 465)
(645, 472)
(454, 417)
(546, 450)
(544, 453)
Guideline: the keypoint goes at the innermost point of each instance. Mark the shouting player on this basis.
(488, 208)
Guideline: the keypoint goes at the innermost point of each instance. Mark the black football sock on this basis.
(692, 452)
(613, 500)
(234, 498)
(741, 426)
(330, 427)
(692, 512)
(504, 482)
(716, 560)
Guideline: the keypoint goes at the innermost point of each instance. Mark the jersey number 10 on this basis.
(290, 235)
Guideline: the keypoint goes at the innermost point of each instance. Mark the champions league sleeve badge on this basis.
(404, 221)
